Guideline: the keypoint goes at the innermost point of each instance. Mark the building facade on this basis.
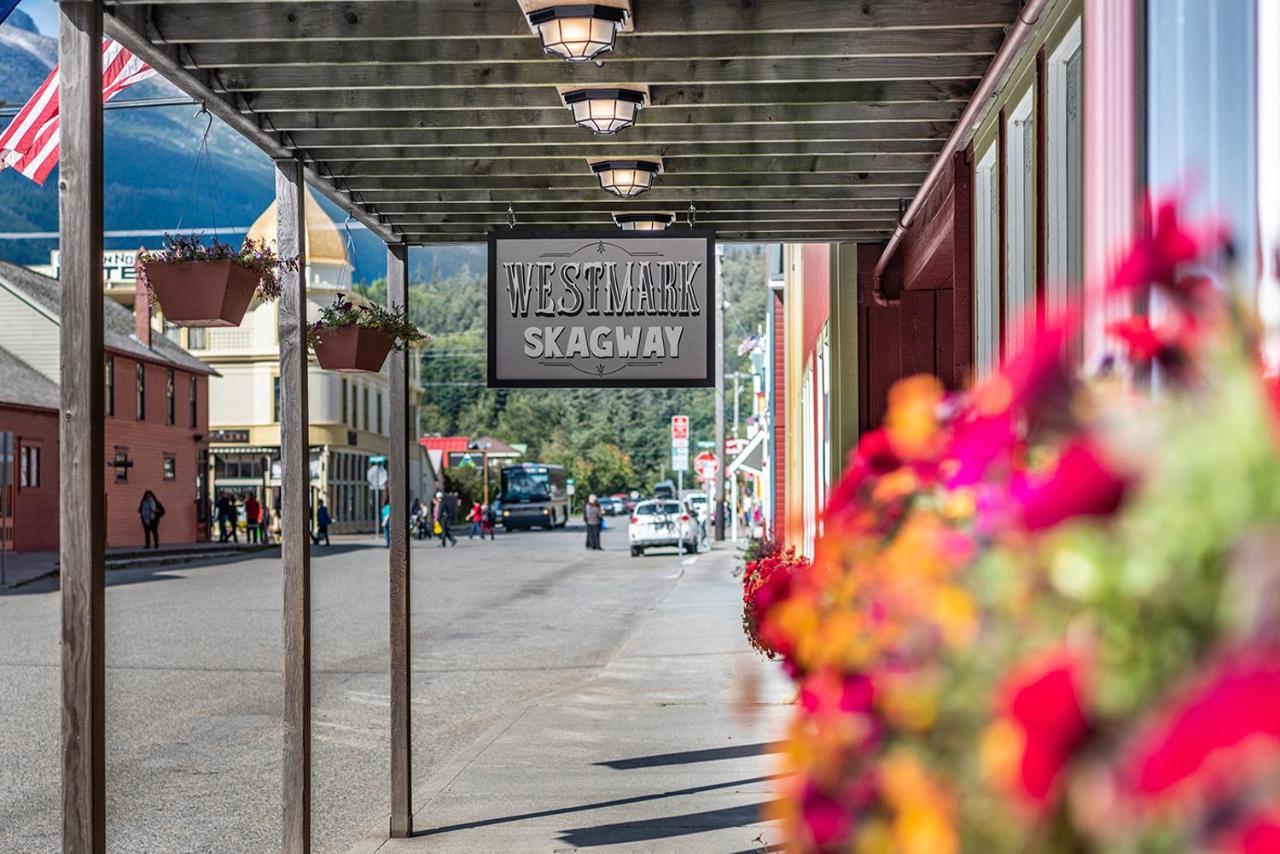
(157, 408)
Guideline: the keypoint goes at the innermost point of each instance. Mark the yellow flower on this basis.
(1000, 753)
(912, 419)
(954, 611)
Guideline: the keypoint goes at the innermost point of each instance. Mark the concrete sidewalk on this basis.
(25, 567)
(662, 750)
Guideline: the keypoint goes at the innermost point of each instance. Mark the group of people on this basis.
(257, 519)
(437, 520)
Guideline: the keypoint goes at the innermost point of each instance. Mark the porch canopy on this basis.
(776, 119)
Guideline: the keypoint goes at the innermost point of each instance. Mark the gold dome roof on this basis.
(325, 243)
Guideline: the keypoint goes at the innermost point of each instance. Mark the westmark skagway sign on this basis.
(602, 309)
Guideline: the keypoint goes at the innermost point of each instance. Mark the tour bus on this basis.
(534, 494)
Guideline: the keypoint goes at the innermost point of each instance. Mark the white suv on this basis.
(662, 522)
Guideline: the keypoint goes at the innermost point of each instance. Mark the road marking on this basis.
(689, 561)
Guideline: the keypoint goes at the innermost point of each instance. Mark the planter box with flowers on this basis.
(211, 285)
(357, 338)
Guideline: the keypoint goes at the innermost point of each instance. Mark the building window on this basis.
(275, 399)
(170, 467)
(140, 393)
(344, 402)
(1064, 203)
(110, 363)
(170, 398)
(364, 404)
(29, 465)
(197, 338)
(1020, 230)
(379, 413)
(986, 255)
(121, 461)
(192, 400)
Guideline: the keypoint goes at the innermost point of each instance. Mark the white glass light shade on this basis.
(605, 111)
(577, 33)
(648, 221)
(626, 178)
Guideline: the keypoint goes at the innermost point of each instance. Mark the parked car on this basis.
(612, 506)
(663, 523)
(664, 489)
(628, 501)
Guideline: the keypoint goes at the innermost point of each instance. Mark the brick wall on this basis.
(35, 508)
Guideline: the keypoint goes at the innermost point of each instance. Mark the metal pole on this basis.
(295, 495)
(718, 494)
(81, 501)
(736, 376)
(398, 484)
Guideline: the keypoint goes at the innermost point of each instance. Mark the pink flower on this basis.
(1233, 713)
(1256, 833)
(1043, 699)
(1164, 245)
(849, 693)
(827, 822)
(1081, 483)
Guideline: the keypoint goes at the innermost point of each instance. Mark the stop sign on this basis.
(706, 464)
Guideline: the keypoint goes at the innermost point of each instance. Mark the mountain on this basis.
(151, 182)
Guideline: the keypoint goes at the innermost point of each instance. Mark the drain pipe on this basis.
(1001, 63)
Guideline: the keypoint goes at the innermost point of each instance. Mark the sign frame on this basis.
(588, 236)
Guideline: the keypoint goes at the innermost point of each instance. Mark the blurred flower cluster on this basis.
(766, 579)
(1045, 613)
(256, 255)
(343, 312)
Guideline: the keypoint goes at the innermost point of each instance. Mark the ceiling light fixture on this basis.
(577, 32)
(644, 220)
(605, 111)
(626, 178)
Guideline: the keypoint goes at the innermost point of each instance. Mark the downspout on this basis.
(1001, 63)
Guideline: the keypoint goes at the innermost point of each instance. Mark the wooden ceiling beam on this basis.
(634, 53)
(814, 236)
(543, 97)
(867, 220)
(515, 75)
(713, 137)
(374, 192)
(562, 154)
(781, 116)
(400, 19)
(843, 208)
(754, 169)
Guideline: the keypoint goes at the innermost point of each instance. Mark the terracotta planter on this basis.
(203, 293)
(353, 348)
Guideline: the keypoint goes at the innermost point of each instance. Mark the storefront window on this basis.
(1020, 235)
(140, 392)
(1064, 203)
(171, 398)
(986, 235)
(110, 363)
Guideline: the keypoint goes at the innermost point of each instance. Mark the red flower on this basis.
(1257, 833)
(1164, 245)
(1043, 699)
(827, 822)
(1229, 715)
(1142, 341)
(1081, 483)
(849, 693)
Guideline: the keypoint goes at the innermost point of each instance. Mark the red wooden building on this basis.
(157, 411)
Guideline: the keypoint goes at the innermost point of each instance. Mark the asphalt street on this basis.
(194, 683)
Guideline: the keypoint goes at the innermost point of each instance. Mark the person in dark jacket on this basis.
(150, 510)
(593, 516)
(323, 521)
(442, 515)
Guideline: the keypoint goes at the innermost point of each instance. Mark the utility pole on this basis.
(718, 503)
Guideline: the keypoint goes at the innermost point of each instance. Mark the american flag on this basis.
(30, 142)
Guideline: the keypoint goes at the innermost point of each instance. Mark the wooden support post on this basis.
(82, 507)
(398, 485)
(295, 509)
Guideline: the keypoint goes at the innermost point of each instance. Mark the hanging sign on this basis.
(601, 309)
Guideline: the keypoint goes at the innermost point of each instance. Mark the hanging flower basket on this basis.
(357, 338)
(213, 285)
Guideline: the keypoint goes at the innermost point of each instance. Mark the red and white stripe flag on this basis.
(30, 142)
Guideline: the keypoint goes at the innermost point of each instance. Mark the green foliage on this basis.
(394, 321)
(468, 483)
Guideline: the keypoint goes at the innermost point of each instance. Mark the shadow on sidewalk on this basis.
(623, 832)
(674, 793)
(688, 757)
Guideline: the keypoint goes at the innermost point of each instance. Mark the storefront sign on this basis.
(118, 266)
(229, 437)
(601, 309)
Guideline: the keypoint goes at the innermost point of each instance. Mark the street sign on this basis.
(679, 459)
(680, 430)
(706, 444)
(377, 476)
(706, 464)
(603, 308)
(570, 486)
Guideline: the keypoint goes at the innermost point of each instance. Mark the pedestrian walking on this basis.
(594, 517)
(442, 516)
(476, 517)
(490, 521)
(252, 519)
(227, 518)
(385, 516)
(323, 520)
(150, 510)
(264, 526)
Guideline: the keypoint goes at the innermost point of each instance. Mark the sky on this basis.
(44, 13)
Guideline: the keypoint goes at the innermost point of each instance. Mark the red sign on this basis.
(679, 430)
(706, 464)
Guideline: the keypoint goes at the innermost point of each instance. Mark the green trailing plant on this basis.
(254, 255)
(343, 313)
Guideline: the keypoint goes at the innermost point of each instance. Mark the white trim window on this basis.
(1020, 233)
(1064, 156)
(986, 259)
